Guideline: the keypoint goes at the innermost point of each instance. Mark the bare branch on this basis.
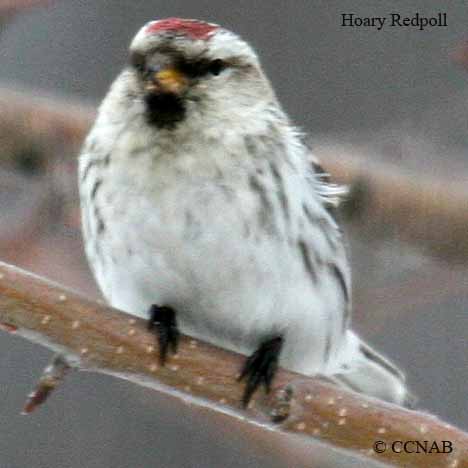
(52, 376)
(42, 120)
(102, 339)
(14, 6)
(9, 8)
(429, 214)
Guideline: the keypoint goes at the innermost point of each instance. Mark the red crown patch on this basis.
(190, 28)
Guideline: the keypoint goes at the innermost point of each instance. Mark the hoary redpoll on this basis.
(202, 212)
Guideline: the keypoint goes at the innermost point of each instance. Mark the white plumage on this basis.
(221, 215)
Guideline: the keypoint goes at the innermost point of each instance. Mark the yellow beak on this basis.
(167, 80)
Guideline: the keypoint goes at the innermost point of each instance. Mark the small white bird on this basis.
(203, 212)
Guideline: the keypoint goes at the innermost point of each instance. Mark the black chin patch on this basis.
(164, 110)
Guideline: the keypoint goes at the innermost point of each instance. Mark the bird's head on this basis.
(181, 68)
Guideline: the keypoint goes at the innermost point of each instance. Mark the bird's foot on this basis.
(260, 367)
(163, 321)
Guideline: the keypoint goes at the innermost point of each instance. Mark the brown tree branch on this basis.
(431, 215)
(91, 336)
(43, 120)
(9, 8)
(15, 6)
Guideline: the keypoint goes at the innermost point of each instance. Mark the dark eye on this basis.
(215, 67)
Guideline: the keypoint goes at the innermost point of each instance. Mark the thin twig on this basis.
(51, 378)
(95, 337)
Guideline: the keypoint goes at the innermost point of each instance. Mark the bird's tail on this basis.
(365, 371)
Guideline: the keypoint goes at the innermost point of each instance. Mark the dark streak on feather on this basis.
(86, 170)
(327, 231)
(312, 219)
(368, 353)
(100, 222)
(346, 296)
(104, 162)
(307, 260)
(281, 189)
(250, 145)
(327, 348)
(341, 280)
(320, 171)
(97, 184)
(100, 227)
(266, 209)
(324, 178)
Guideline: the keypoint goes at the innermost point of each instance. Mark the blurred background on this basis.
(396, 97)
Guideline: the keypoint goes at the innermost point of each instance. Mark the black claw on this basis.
(260, 368)
(163, 319)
